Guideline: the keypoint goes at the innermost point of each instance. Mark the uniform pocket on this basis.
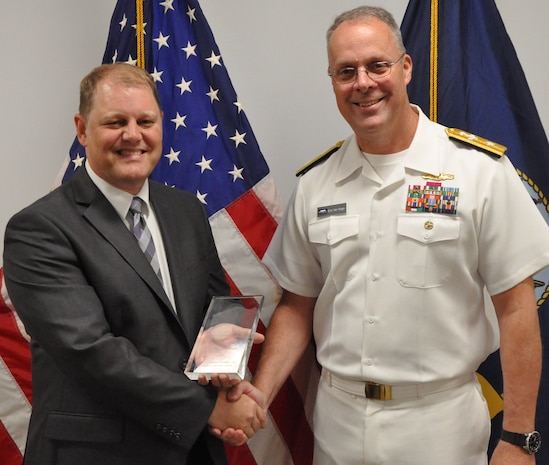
(427, 246)
(336, 240)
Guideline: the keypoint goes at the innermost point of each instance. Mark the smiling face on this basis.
(378, 111)
(122, 133)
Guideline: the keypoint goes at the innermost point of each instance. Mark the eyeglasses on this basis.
(375, 71)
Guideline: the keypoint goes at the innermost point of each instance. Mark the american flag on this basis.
(210, 150)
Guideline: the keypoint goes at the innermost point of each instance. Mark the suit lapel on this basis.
(101, 215)
(172, 227)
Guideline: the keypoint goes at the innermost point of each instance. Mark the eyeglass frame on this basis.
(365, 68)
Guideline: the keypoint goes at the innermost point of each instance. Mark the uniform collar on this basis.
(421, 155)
(423, 151)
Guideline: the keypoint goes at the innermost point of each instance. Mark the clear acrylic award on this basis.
(224, 342)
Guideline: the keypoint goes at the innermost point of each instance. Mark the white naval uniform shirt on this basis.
(400, 293)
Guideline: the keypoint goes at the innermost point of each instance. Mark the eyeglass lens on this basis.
(375, 70)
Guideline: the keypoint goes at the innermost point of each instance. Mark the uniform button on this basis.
(369, 362)
(371, 321)
(429, 225)
(375, 277)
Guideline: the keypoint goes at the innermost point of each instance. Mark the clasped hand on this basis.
(240, 410)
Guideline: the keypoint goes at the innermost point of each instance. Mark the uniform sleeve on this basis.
(290, 257)
(514, 236)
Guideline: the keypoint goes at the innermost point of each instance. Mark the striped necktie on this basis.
(143, 234)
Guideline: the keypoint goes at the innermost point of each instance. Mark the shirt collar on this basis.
(119, 199)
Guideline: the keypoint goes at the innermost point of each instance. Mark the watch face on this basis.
(533, 442)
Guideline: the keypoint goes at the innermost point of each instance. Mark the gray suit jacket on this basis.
(108, 351)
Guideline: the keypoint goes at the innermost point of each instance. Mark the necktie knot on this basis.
(136, 207)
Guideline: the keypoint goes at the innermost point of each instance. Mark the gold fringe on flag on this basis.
(433, 81)
(140, 33)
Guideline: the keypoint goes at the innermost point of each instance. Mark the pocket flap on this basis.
(428, 228)
(63, 426)
(332, 230)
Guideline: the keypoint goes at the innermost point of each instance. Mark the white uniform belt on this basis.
(378, 391)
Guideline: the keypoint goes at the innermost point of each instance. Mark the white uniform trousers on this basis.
(451, 427)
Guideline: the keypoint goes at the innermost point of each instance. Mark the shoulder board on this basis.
(315, 161)
(491, 148)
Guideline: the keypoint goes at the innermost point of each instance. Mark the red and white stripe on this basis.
(242, 232)
(15, 382)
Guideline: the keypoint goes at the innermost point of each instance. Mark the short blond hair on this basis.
(121, 73)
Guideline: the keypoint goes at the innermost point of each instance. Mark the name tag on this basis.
(338, 209)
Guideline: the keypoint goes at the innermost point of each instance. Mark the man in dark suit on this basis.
(110, 335)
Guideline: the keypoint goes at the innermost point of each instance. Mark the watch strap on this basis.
(518, 439)
(530, 442)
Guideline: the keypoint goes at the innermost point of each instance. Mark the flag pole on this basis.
(433, 95)
(140, 33)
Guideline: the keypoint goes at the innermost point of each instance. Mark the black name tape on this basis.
(338, 209)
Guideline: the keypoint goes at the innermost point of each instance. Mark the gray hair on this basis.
(362, 13)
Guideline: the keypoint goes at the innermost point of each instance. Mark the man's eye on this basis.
(347, 72)
(115, 124)
(378, 67)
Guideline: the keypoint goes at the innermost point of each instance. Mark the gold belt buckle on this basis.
(377, 391)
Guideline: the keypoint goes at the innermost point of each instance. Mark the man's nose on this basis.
(132, 131)
(363, 79)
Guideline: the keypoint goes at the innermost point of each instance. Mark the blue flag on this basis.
(467, 75)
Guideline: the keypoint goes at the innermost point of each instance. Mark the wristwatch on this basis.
(530, 442)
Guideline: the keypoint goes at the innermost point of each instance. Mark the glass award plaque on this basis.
(225, 338)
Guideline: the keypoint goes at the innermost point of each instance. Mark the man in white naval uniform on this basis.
(384, 256)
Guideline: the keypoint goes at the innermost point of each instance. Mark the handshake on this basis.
(240, 410)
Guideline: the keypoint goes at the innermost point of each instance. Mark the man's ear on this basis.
(80, 124)
(407, 66)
